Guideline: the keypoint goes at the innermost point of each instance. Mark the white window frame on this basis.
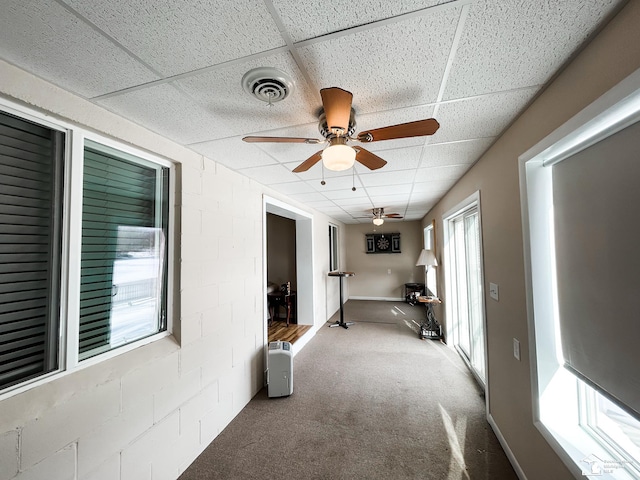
(559, 408)
(431, 279)
(334, 248)
(68, 320)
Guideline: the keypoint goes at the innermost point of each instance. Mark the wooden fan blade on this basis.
(280, 140)
(402, 130)
(337, 108)
(309, 162)
(368, 159)
(393, 215)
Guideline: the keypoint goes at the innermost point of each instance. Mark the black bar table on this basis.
(341, 323)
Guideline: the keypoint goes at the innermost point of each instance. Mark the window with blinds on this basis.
(31, 171)
(124, 256)
(84, 264)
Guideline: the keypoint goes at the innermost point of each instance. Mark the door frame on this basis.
(304, 262)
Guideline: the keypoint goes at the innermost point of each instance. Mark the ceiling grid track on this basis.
(101, 32)
(291, 46)
(462, 20)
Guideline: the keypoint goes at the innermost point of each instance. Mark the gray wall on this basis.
(613, 55)
(372, 279)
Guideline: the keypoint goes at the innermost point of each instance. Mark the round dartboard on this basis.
(383, 243)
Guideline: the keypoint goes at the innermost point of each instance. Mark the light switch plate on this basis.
(516, 348)
(493, 291)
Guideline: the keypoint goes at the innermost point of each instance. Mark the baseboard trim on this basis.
(382, 299)
(505, 447)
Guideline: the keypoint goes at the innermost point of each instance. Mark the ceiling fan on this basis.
(379, 216)
(337, 125)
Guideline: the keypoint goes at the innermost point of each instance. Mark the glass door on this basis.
(465, 283)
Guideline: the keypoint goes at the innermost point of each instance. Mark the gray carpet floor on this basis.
(370, 402)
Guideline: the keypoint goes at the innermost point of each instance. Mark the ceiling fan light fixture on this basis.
(378, 221)
(338, 157)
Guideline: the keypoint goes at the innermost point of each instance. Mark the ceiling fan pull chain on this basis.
(353, 179)
(323, 182)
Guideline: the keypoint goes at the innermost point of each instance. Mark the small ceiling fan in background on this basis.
(337, 125)
(378, 216)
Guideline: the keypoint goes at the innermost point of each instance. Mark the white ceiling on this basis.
(176, 66)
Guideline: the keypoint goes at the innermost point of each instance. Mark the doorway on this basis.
(464, 280)
(299, 262)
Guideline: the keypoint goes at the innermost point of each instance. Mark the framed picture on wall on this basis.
(383, 243)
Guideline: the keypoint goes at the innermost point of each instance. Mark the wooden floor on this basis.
(279, 331)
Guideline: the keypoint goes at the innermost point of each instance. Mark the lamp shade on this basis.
(427, 258)
(338, 157)
(378, 221)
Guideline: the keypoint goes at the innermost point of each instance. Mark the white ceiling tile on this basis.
(269, 175)
(177, 37)
(382, 178)
(458, 153)
(309, 197)
(449, 172)
(433, 186)
(356, 203)
(46, 39)
(390, 190)
(165, 110)
(338, 195)
(411, 57)
(480, 117)
(234, 153)
(292, 188)
(309, 19)
(319, 204)
(337, 183)
(391, 203)
(518, 43)
(423, 200)
(397, 159)
(220, 92)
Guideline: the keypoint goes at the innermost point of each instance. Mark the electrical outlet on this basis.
(493, 291)
(516, 348)
(388, 271)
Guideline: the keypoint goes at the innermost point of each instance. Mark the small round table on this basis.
(341, 323)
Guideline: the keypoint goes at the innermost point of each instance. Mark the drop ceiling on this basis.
(175, 67)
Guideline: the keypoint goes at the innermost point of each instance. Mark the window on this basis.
(429, 244)
(584, 352)
(123, 256)
(333, 248)
(84, 265)
(31, 167)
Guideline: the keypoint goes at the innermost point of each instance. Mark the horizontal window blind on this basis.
(119, 229)
(31, 166)
(596, 210)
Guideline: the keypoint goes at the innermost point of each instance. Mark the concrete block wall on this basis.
(146, 414)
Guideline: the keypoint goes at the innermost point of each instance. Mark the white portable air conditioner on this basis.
(280, 379)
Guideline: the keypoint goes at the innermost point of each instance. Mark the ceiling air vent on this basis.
(268, 84)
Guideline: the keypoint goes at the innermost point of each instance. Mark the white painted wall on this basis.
(148, 413)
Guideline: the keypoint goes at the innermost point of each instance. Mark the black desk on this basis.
(341, 275)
